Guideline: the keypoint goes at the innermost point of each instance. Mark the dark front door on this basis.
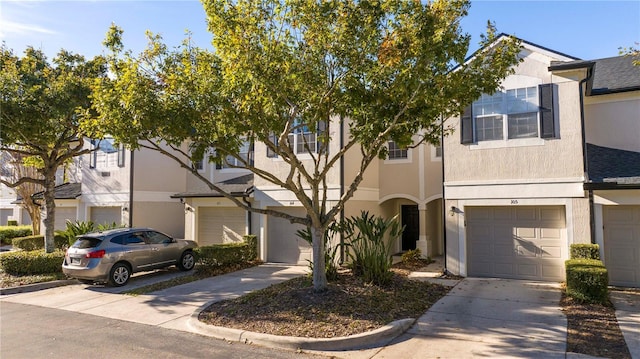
(411, 223)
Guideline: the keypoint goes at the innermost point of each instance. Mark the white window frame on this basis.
(234, 161)
(516, 83)
(397, 160)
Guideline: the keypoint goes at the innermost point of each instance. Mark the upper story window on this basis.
(302, 139)
(395, 152)
(513, 114)
(107, 154)
(233, 162)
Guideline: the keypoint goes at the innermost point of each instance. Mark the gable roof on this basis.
(527, 45)
(613, 166)
(237, 187)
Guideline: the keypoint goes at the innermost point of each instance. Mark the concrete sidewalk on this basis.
(627, 304)
(169, 308)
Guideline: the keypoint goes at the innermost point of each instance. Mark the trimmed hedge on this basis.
(585, 251)
(31, 262)
(32, 243)
(12, 222)
(7, 233)
(587, 280)
(228, 253)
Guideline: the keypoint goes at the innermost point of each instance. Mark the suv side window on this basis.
(157, 238)
(135, 238)
(122, 239)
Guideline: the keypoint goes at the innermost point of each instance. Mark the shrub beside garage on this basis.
(219, 255)
(32, 262)
(8, 233)
(587, 277)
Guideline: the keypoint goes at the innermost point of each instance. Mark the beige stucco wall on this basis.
(154, 171)
(580, 219)
(613, 120)
(453, 222)
(552, 158)
(167, 217)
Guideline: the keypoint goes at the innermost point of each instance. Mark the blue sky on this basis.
(584, 29)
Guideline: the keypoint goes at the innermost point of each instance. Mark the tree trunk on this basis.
(319, 271)
(49, 214)
(34, 214)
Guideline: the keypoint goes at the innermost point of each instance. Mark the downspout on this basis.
(585, 164)
(248, 192)
(341, 189)
(444, 205)
(131, 192)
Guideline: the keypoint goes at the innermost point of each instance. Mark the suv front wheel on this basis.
(187, 261)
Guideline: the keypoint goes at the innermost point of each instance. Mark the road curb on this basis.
(37, 286)
(374, 338)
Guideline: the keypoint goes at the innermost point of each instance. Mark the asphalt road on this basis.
(35, 332)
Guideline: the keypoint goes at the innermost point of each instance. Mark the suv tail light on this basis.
(96, 254)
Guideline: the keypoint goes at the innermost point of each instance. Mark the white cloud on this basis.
(14, 28)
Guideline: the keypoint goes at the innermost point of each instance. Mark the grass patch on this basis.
(9, 281)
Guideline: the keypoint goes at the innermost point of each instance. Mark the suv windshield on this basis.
(87, 242)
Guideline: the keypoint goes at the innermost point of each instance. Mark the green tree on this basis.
(42, 106)
(387, 70)
(14, 168)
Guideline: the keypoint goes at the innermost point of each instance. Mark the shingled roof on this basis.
(615, 74)
(64, 191)
(611, 165)
(610, 75)
(238, 186)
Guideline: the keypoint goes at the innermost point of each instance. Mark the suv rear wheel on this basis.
(119, 275)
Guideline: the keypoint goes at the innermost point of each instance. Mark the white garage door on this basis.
(26, 219)
(516, 242)
(283, 246)
(106, 215)
(4, 216)
(221, 225)
(62, 215)
(622, 244)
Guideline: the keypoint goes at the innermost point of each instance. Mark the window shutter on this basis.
(121, 155)
(274, 140)
(93, 156)
(547, 116)
(466, 126)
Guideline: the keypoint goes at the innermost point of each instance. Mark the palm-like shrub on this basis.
(370, 239)
(330, 251)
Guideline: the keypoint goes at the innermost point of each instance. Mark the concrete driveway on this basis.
(486, 318)
(627, 304)
(170, 308)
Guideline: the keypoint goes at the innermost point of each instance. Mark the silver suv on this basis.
(113, 256)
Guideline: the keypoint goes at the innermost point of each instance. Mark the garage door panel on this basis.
(622, 244)
(106, 215)
(525, 242)
(283, 245)
(551, 252)
(62, 215)
(525, 213)
(218, 225)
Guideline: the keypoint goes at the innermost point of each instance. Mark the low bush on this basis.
(31, 243)
(412, 256)
(7, 233)
(229, 253)
(31, 262)
(585, 251)
(587, 280)
(12, 222)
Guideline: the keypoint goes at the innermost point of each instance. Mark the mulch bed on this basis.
(593, 329)
(348, 307)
